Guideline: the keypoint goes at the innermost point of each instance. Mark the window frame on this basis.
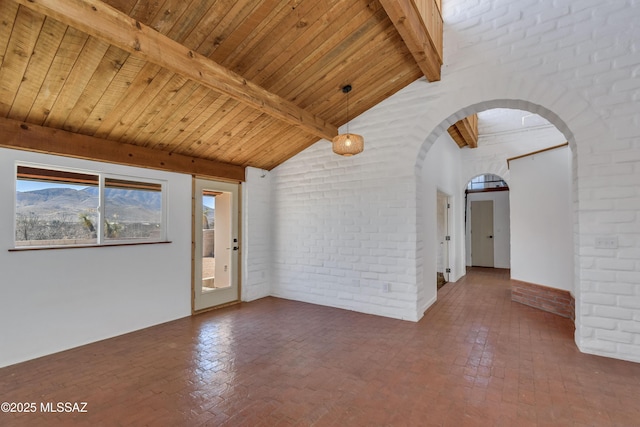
(101, 239)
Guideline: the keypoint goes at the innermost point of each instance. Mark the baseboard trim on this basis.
(557, 301)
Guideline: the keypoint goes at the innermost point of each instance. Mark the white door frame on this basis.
(482, 240)
(443, 200)
(228, 245)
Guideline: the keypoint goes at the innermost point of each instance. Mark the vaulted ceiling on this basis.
(237, 82)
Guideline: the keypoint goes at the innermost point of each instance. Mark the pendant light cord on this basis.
(346, 89)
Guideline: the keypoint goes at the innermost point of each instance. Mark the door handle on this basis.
(491, 237)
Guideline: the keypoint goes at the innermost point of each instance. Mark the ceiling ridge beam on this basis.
(421, 27)
(102, 21)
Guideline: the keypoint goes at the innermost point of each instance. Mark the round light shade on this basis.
(348, 144)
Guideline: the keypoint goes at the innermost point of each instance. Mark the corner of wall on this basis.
(257, 235)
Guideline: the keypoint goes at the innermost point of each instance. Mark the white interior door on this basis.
(215, 260)
(482, 233)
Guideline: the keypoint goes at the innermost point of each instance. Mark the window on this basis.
(132, 210)
(486, 182)
(70, 208)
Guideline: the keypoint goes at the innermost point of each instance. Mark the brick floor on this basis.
(476, 359)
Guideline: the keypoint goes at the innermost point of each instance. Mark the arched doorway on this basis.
(487, 222)
(493, 164)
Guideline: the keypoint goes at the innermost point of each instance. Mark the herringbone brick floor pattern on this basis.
(475, 359)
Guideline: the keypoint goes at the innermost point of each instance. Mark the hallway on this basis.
(476, 358)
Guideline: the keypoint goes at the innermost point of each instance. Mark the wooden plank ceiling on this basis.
(303, 51)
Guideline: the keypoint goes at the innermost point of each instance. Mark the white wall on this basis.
(501, 227)
(542, 219)
(495, 148)
(52, 300)
(341, 236)
(257, 236)
(441, 172)
(69, 297)
(574, 63)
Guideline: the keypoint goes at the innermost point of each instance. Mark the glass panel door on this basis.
(216, 244)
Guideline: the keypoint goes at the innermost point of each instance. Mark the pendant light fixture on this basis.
(348, 144)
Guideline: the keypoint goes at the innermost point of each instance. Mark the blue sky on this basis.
(209, 201)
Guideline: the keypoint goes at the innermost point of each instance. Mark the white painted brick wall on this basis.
(576, 63)
(341, 233)
(257, 238)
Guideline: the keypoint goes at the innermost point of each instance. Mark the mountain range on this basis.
(67, 203)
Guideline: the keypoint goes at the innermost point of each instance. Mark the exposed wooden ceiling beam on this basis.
(455, 135)
(118, 29)
(420, 26)
(22, 136)
(465, 132)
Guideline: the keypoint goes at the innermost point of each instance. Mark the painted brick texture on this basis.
(341, 237)
(343, 227)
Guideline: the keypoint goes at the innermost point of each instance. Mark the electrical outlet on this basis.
(606, 243)
(385, 287)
